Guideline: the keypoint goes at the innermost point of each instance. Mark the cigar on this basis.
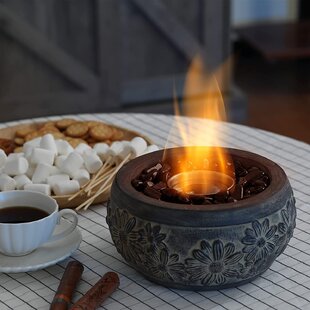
(67, 286)
(98, 293)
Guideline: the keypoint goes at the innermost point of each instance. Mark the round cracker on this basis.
(77, 130)
(117, 134)
(32, 135)
(90, 140)
(58, 135)
(85, 137)
(101, 132)
(23, 132)
(18, 149)
(108, 142)
(76, 141)
(7, 145)
(65, 123)
(52, 131)
(91, 124)
(47, 125)
(19, 141)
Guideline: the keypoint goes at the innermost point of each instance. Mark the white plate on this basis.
(48, 254)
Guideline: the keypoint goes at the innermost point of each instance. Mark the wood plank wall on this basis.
(98, 54)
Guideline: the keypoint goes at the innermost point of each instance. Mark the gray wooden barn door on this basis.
(161, 37)
(52, 57)
(74, 56)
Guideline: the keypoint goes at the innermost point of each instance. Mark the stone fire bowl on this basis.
(201, 247)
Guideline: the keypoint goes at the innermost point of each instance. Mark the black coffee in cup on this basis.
(21, 214)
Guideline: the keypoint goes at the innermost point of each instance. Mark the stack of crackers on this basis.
(71, 130)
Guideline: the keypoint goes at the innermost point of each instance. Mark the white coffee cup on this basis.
(22, 238)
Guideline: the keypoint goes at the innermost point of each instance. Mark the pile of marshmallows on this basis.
(47, 165)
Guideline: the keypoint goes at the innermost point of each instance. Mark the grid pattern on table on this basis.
(286, 285)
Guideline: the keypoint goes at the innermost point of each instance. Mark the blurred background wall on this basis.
(248, 12)
(75, 56)
(271, 46)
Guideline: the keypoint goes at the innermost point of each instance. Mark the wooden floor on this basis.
(278, 93)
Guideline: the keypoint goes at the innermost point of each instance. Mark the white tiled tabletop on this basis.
(286, 285)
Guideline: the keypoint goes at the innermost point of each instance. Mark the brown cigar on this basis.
(98, 293)
(67, 286)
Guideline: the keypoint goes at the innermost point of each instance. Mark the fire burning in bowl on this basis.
(201, 217)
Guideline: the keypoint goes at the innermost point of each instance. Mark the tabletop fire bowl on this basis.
(198, 246)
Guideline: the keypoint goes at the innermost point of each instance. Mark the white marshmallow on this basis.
(125, 151)
(151, 148)
(54, 179)
(115, 149)
(82, 147)
(55, 170)
(41, 173)
(59, 160)
(63, 147)
(34, 142)
(139, 145)
(42, 156)
(14, 156)
(41, 188)
(82, 176)
(27, 149)
(102, 150)
(7, 183)
(89, 152)
(21, 181)
(66, 187)
(136, 147)
(30, 170)
(48, 143)
(30, 145)
(16, 166)
(3, 158)
(92, 161)
(73, 162)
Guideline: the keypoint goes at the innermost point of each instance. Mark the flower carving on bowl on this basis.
(123, 234)
(251, 269)
(151, 248)
(286, 228)
(164, 266)
(213, 264)
(150, 238)
(259, 241)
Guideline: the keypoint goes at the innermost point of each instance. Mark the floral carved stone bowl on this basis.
(201, 247)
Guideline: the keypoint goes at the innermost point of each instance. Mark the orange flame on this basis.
(209, 105)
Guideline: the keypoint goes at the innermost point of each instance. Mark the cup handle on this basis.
(70, 229)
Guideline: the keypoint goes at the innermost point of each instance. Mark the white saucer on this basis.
(48, 254)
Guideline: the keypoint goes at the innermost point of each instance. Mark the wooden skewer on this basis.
(107, 189)
(78, 193)
(91, 200)
(114, 172)
(103, 187)
(99, 192)
(100, 179)
(107, 165)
